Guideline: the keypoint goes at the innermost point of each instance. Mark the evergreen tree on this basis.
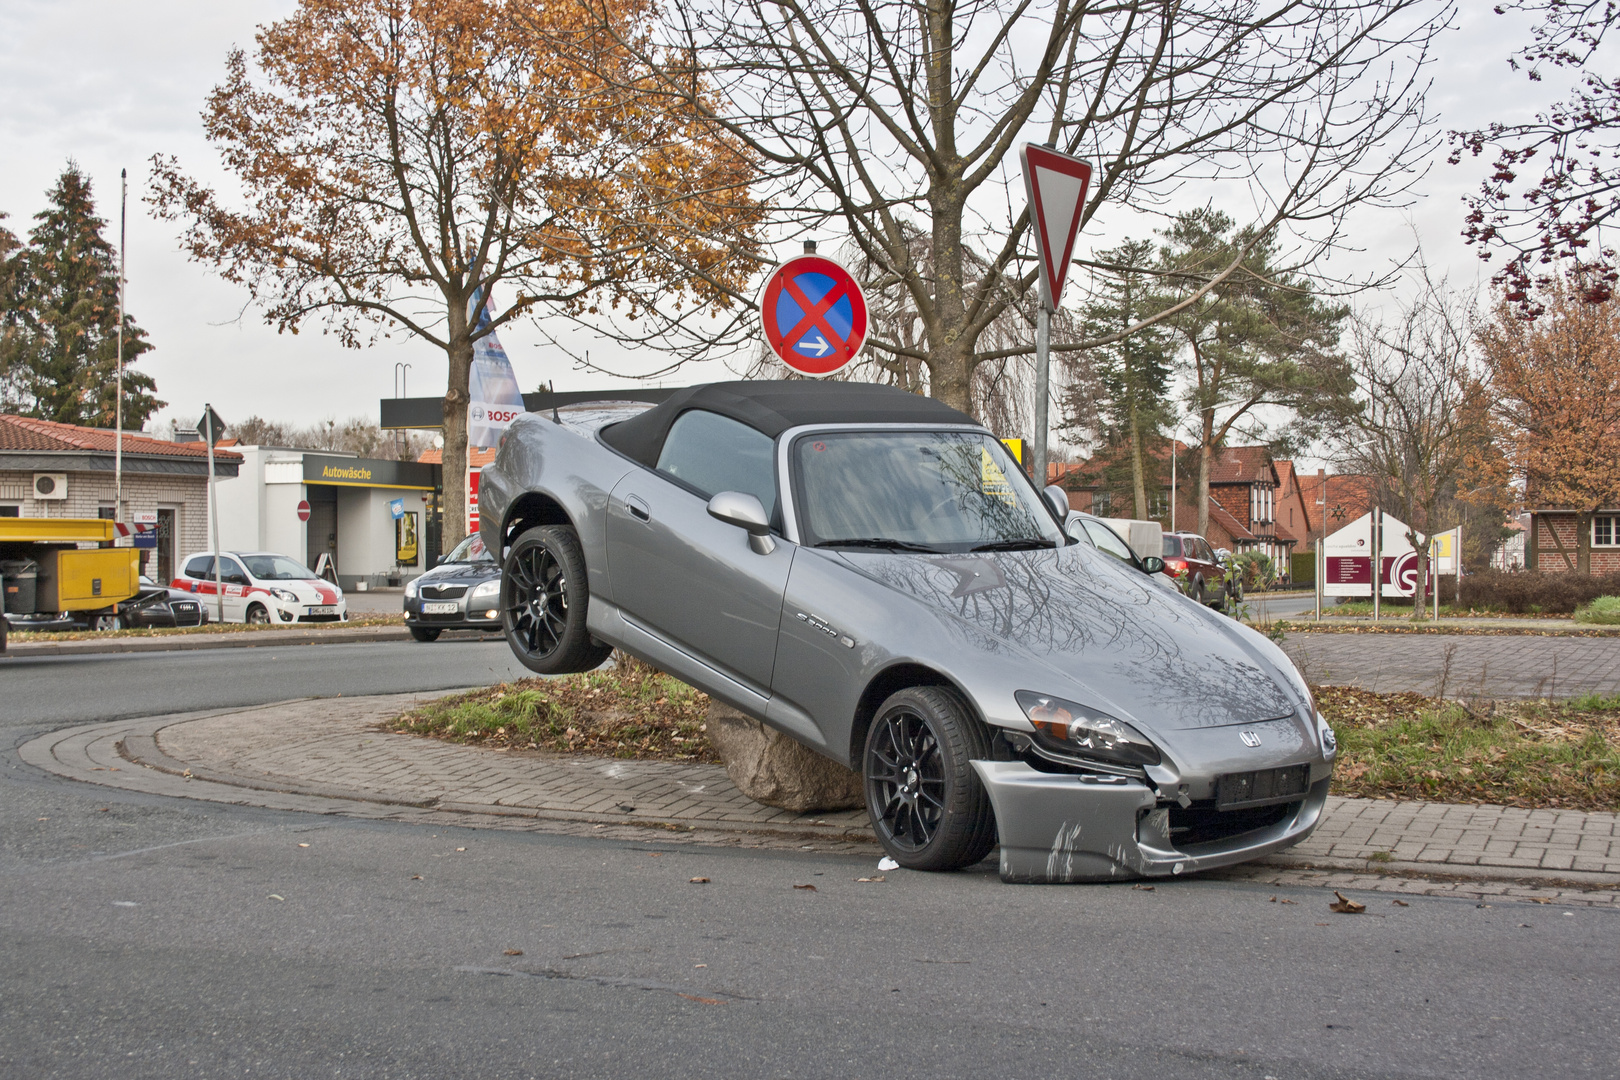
(66, 318)
(1130, 378)
(11, 334)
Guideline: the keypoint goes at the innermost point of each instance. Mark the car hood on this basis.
(312, 591)
(463, 572)
(1092, 628)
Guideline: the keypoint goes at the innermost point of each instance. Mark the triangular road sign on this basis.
(1056, 184)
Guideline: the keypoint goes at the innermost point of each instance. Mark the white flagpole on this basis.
(118, 408)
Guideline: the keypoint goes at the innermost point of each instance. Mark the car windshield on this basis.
(277, 568)
(942, 491)
(470, 550)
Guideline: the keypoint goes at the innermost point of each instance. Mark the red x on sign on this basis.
(815, 315)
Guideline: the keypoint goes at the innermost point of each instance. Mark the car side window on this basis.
(1172, 547)
(200, 567)
(1204, 551)
(231, 572)
(1107, 540)
(714, 453)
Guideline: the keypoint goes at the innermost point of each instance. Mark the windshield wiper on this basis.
(880, 542)
(1026, 544)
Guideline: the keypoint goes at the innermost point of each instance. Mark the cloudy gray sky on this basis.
(109, 84)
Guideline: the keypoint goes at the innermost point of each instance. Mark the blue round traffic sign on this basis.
(814, 314)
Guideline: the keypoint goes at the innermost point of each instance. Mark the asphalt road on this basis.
(149, 937)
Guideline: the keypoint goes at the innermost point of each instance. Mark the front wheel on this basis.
(544, 596)
(426, 633)
(927, 805)
(258, 615)
(105, 622)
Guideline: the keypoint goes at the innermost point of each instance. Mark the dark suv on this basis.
(1193, 563)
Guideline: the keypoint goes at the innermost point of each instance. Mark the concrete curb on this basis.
(246, 639)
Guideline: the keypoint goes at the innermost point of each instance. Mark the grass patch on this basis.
(1604, 611)
(373, 619)
(1394, 609)
(629, 710)
(1530, 754)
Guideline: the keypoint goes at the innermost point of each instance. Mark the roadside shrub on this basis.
(1604, 611)
(1529, 591)
(1258, 570)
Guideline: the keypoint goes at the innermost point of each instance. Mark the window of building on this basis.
(1606, 530)
(1159, 504)
(713, 453)
(10, 510)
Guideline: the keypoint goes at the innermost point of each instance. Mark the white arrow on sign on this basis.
(820, 345)
(1057, 186)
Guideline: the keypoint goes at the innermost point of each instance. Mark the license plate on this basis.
(1263, 786)
(323, 609)
(440, 609)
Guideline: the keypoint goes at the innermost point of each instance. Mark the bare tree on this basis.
(885, 119)
(1425, 411)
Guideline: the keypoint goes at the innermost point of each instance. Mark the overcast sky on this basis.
(110, 84)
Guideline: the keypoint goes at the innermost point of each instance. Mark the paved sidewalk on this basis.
(328, 756)
(1516, 666)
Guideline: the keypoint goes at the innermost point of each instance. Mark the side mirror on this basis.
(1058, 500)
(1152, 564)
(747, 513)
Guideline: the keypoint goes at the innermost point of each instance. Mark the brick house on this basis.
(1332, 502)
(1562, 541)
(65, 471)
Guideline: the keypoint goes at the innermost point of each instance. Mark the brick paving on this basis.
(1515, 666)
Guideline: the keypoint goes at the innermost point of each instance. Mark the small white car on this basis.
(263, 587)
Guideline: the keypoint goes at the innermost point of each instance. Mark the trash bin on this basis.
(19, 579)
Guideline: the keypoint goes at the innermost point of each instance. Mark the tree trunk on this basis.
(1420, 592)
(1583, 544)
(1205, 452)
(1138, 485)
(455, 431)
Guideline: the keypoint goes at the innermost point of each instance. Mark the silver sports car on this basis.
(870, 572)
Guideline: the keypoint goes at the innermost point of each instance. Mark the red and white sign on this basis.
(303, 509)
(1057, 185)
(815, 315)
(472, 499)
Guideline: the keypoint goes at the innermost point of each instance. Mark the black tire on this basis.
(106, 622)
(544, 597)
(258, 615)
(928, 808)
(1197, 590)
(426, 633)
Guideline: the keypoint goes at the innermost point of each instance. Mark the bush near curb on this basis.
(1604, 611)
(1528, 591)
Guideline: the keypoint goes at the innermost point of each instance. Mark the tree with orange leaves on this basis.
(397, 157)
(1557, 386)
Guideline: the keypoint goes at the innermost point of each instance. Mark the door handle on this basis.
(638, 508)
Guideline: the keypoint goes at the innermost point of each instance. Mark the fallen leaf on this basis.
(806, 888)
(655, 854)
(1400, 903)
(871, 880)
(1283, 900)
(513, 952)
(461, 849)
(273, 896)
(416, 877)
(702, 1000)
(697, 881)
(1346, 906)
(303, 845)
(887, 863)
(1538, 899)
(700, 965)
(1143, 888)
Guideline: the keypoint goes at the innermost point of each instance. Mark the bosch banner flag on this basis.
(494, 399)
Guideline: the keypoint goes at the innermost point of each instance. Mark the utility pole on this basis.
(118, 408)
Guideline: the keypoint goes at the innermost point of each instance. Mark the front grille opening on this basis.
(1204, 823)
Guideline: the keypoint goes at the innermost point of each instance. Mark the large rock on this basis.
(773, 769)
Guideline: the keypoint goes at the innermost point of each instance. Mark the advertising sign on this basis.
(396, 507)
(1349, 557)
(405, 546)
(493, 397)
(815, 315)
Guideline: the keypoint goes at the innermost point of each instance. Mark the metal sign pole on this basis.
(118, 406)
(213, 515)
(1377, 560)
(1043, 389)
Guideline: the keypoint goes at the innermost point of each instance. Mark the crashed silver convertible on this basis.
(870, 572)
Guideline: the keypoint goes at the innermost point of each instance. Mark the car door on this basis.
(236, 584)
(689, 579)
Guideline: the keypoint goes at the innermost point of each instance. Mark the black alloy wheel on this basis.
(926, 803)
(426, 633)
(544, 597)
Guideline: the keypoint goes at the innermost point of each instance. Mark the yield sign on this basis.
(814, 314)
(1057, 193)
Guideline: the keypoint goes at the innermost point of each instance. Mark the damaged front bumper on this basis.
(1069, 828)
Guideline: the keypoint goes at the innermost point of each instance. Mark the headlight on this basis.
(1075, 729)
(1330, 741)
(410, 587)
(284, 596)
(488, 588)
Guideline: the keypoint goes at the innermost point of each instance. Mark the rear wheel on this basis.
(426, 633)
(927, 805)
(544, 597)
(105, 622)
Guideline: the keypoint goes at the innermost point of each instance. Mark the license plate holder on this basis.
(323, 609)
(440, 607)
(1262, 786)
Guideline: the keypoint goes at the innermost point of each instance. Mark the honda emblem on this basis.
(1250, 738)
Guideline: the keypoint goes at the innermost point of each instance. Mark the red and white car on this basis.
(263, 587)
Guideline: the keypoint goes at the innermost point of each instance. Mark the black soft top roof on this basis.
(773, 407)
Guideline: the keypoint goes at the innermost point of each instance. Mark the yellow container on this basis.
(55, 530)
(85, 580)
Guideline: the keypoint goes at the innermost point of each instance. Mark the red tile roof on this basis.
(477, 456)
(46, 436)
(1240, 465)
(1219, 515)
(1339, 500)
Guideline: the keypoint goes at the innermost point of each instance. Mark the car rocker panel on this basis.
(1170, 738)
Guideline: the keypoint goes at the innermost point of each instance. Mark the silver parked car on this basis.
(870, 572)
(461, 593)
